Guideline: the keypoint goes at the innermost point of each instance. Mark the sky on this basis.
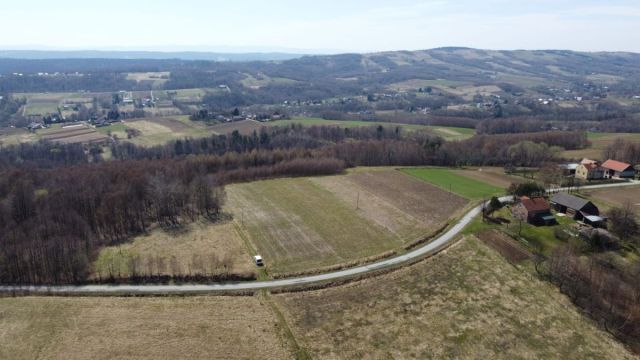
(320, 26)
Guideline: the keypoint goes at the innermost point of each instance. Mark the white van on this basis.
(258, 260)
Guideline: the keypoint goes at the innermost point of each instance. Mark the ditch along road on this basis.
(431, 248)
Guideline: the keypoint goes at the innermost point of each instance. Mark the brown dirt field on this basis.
(173, 124)
(67, 133)
(618, 197)
(84, 139)
(74, 135)
(504, 245)
(417, 198)
(139, 328)
(245, 127)
(375, 208)
(492, 176)
(465, 303)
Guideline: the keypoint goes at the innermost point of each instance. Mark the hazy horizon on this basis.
(312, 28)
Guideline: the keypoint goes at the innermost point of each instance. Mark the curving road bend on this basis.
(428, 249)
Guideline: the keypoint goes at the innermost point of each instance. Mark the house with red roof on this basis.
(618, 170)
(536, 211)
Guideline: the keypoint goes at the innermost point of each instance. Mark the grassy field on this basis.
(139, 328)
(201, 247)
(16, 136)
(449, 133)
(244, 127)
(462, 185)
(305, 223)
(465, 303)
(599, 141)
(40, 108)
(159, 130)
(491, 175)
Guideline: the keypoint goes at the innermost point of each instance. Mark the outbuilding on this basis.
(573, 206)
(535, 211)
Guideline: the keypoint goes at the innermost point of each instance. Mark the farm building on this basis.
(535, 211)
(589, 171)
(570, 169)
(618, 170)
(578, 208)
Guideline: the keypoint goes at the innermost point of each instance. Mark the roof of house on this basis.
(570, 201)
(535, 204)
(586, 161)
(591, 166)
(616, 165)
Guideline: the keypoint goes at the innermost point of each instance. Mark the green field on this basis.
(448, 180)
(447, 132)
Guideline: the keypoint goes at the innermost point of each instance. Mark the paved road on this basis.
(430, 248)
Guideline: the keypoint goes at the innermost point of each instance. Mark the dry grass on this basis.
(244, 127)
(465, 303)
(492, 176)
(212, 244)
(159, 130)
(139, 328)
(513, 251)
(618, 197)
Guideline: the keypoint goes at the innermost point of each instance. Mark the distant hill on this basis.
(156, 55)
(274, 77)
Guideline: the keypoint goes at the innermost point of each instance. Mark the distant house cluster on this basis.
(589, 169)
